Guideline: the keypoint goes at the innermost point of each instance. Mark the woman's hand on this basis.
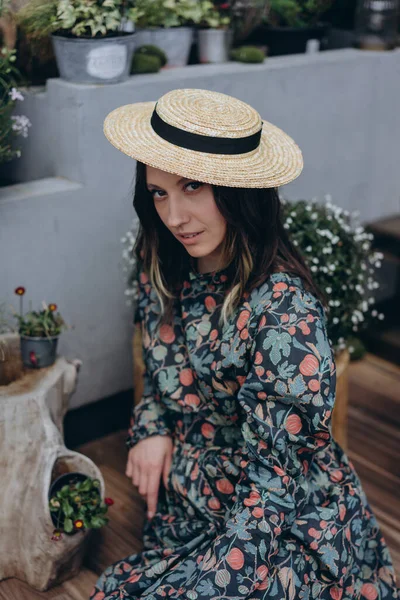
(148, 460)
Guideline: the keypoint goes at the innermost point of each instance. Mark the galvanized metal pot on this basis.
(38, 352)
(214, 45)
(174, 41)
(94, 60)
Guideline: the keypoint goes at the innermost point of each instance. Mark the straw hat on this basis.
(210, 137)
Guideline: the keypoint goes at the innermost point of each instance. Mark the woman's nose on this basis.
(176, 215)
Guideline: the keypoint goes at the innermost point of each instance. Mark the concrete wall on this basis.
(60, 228)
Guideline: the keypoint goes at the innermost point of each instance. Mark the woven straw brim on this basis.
(277, 161)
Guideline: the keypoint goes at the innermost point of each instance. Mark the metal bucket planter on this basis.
(174, 41)
(91, 60)
(38, 352)
(214, 45)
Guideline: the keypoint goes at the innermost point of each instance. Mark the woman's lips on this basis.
(190, 240)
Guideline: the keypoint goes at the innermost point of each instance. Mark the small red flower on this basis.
(109, 501)
(224, 6)
(20, 291)
(57, 535)
(53, 307)
(78, 524)
(32, 358)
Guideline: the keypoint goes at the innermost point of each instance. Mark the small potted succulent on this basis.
(214, 35)
(290, 24)
(169, 25)
(90, 43)
(75, 504)
(39, 332)
(148, 59)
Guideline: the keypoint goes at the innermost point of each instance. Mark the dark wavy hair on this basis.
(256, 245)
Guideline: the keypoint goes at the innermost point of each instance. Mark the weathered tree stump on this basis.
(32, 455)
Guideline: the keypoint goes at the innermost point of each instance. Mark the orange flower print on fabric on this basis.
(167, 334)
(309, 365)
(186, 377)
(242, 320)
(293, 424)
(208, 430)
(210, 303)
(235, 559)
(224, 486)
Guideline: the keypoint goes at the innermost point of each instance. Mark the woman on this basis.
(256, 500)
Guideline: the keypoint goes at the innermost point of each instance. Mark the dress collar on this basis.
(216, 277)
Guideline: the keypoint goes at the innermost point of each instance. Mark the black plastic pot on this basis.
(288, 40)
(58, 483)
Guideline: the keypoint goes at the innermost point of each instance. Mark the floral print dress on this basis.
(261, 502)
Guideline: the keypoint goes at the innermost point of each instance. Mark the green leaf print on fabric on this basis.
(279, 343)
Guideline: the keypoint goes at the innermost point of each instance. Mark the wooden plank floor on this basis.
(374, 448)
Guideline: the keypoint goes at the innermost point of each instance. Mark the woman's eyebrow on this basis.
(158, 187)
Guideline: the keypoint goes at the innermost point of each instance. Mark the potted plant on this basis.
(290, 24)
(167, 24)
(339, 253)
(88, 37)
(39, 332)
(214, 35)
(75, 504)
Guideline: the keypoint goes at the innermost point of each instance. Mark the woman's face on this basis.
(187, 206)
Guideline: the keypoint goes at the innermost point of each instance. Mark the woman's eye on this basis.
(196, 184)
(154, 192)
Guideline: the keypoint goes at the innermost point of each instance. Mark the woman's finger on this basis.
(135, 475)
(153, 485)
(143, 482)
(167, 468)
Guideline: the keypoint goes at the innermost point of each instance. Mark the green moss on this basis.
(143, 63)
(150, 50)
(248, 54)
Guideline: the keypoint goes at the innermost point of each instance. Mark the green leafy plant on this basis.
(11, 126)
(79, 18)
(246, 15)
(248, 54)
(216, 16)
(78, 506)
(339, 253)
(297, 13)
(172, 13)
(43, 323)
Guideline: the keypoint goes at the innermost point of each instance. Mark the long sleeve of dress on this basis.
(286, 398)
(150, 416)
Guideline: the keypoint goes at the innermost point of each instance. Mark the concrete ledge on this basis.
(40, 187)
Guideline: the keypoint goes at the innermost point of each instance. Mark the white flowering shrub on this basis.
(339, 253)
(10, 126)
(130, 265)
